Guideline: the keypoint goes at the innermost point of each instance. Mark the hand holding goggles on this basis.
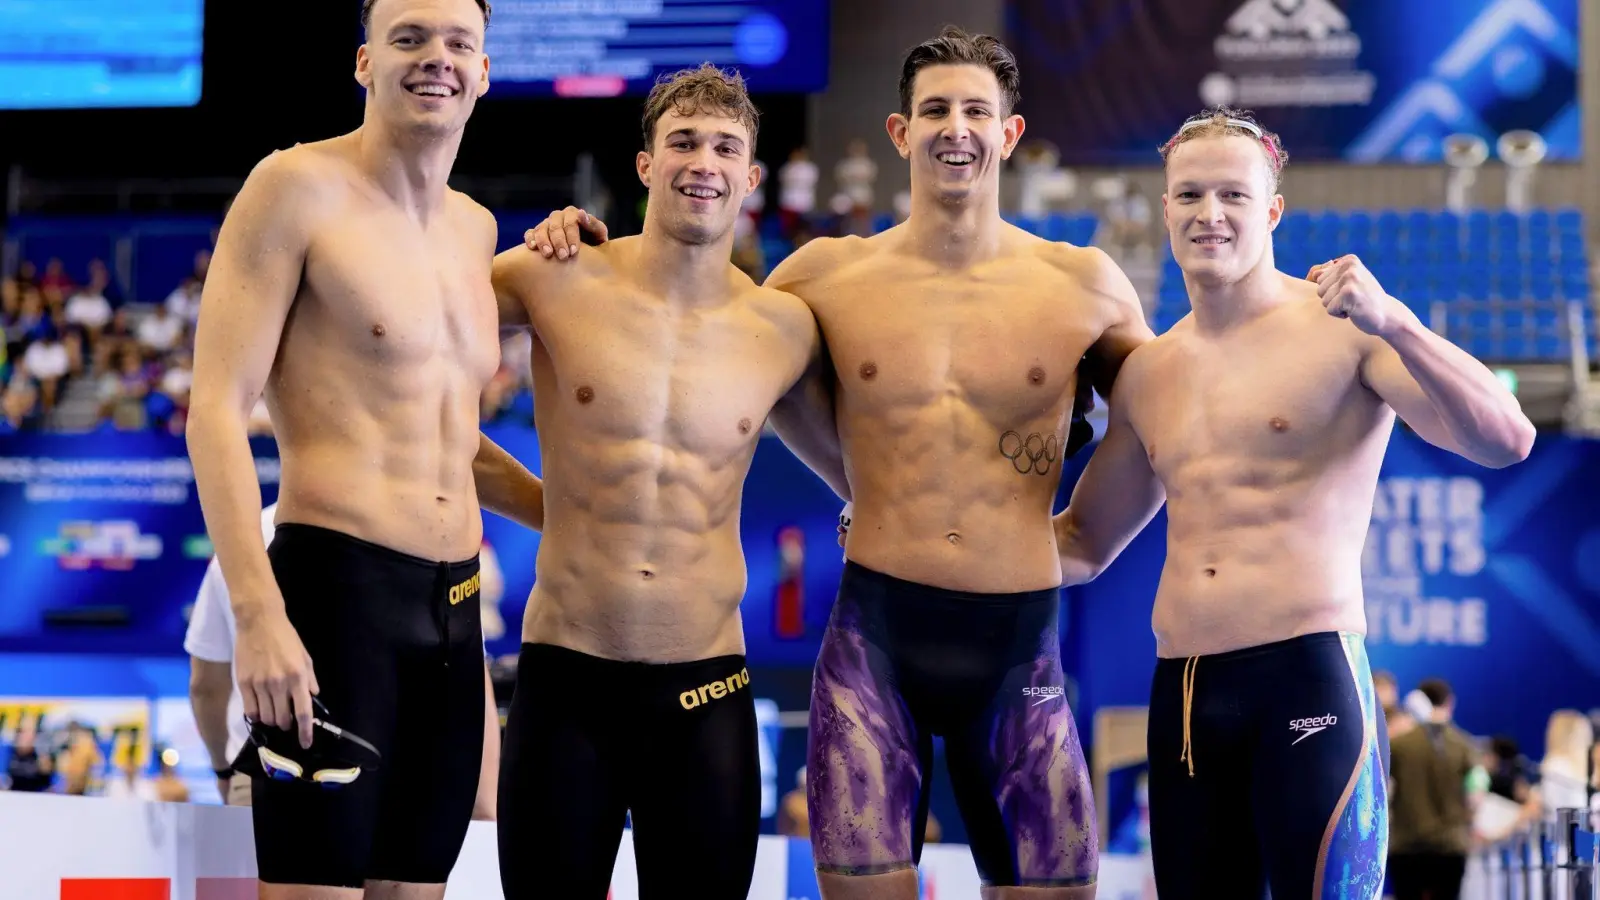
(330, 767)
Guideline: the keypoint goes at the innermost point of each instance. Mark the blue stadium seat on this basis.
(1569, 221)
(1030, 224)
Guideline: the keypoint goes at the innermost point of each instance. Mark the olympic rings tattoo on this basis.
(1034, 454)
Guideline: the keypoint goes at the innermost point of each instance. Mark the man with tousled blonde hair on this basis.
(655, 366)
(1261, 420)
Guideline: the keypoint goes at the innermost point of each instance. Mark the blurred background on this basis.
(1441, 140)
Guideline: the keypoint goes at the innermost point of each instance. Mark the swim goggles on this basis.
(279, 766)
(1205, 119)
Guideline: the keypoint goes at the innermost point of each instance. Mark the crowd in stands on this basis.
(69, 335)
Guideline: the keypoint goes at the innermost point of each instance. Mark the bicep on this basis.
(1127, 329)
(252, 282)
(1385, 374)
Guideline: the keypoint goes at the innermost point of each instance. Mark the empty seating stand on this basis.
(1502, 281)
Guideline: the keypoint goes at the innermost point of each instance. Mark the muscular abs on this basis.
(955, 395)
(649, 417)
(375, 393)
(1269, 451)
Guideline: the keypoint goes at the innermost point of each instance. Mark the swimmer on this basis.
(960, 346)
(656, 365)
(352, 287)
(1262, 418)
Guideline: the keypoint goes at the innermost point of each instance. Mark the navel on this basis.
(1036, 375)
(585, 394)
(1211, 573)
(1279, 423)
(744, 426)
(378, 330)
(869, 371)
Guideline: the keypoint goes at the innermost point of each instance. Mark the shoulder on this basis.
(816, 259)
(475, 216)
(1090, 269)
(308, 175)
(782, 309)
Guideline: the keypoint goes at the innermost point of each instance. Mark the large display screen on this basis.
(56, 54)
(608, 48)
(1108, 81)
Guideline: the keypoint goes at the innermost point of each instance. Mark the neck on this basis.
(684, 274)
(954, 233)
(1218, 307)
(413, 169)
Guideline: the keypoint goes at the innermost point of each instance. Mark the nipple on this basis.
(584, 394)
(1036, 375)
(869, 371)
(744, 426)
(378, 330)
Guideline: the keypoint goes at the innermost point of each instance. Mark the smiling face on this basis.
(699, 171)
(957, 133)
(1220, 207)
(423, 64)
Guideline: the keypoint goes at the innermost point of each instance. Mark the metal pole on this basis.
(1580, 869)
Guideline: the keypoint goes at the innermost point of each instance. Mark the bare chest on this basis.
(405, 299)
(628, 367)
(1008, 343)
(1281, 401)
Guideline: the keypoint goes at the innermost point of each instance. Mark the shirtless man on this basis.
(1263, 417)
(655, 365)
(352, 286)
(956, 341)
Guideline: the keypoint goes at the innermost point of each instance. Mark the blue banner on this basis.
(1108, 81)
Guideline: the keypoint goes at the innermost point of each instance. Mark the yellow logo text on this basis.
(716, 690)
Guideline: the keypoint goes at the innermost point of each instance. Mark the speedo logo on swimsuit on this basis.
(466, 590)
(716, 690)
(1311, 726)
(1045, 694)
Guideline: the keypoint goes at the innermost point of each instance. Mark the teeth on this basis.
(956, 159)
(701, 192)
(1211, 240)
(430, 90)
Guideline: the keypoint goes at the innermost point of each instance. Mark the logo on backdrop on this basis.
(116, 545)
(1424, 527)
(1288, 53)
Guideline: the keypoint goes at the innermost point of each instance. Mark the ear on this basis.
(1166, 217)
(363, 67)
(755, 178)
(1275, 212)
(1014, 127)
(483, 79)
(641, 163)
(897, 126)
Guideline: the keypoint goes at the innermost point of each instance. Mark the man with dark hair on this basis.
(655, 365)
(1430, 811)
(351, 286)
(955, 341)
(1261, 419)
(366, 15)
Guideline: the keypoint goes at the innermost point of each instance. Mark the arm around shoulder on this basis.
(1126, 329)
(1115, 498)
(805, 417)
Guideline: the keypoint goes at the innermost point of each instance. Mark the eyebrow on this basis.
(984, 101)
(452, 30)
(694, 133)
(1192, 185)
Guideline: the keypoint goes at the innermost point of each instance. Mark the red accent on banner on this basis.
(225, 889)
(116, 889)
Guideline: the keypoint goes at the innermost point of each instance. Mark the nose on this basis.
(1210, 208)
(437, 60)
(957, 128)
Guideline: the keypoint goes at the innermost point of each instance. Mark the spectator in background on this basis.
(88, 309)
(1431, 802)
(29, 323)
(169, 788)
(797, 191)
(28, 769)
(1396, 719)
(123, 390)
(184, 301)
(794, 817)
(46, 361)
(18, 404)
(1508, 769)
(1564, 777)
(116, 335)
(856, 175)
(80, 763)
(55, 278)
(160, 332)
(28, 274)
(174, 390)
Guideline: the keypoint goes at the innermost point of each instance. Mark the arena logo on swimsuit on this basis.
(466, 589)
(716, 690)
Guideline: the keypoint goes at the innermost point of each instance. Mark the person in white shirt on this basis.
(219, 710)
(47, 361)
(89, 309)
(160, 331)
(797, 189)
(856, 174)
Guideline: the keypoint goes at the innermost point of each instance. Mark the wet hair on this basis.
(1223, 121)
(707, 89)
(367, 5)
(955, 47)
